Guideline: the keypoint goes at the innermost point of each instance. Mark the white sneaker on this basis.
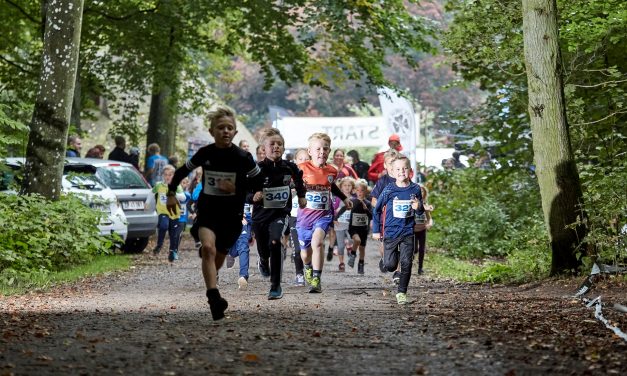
(242, 282)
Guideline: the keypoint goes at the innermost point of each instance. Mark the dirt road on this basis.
(154, 320)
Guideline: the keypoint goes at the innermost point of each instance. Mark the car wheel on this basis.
(135, 245)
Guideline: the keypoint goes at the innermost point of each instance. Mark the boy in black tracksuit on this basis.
(272, 206)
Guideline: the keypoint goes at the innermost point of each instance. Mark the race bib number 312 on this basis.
(213, 178)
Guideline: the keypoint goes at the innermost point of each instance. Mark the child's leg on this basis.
(332, 242)
(391, 254)
(275, 232)
(317, 247)
(421, 242)
(162, 228)
(341, 236)
(173, 233)
(209, 257)
(406, 248)
(298, 261)
(243, 251)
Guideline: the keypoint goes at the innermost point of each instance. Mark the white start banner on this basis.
(345, 132)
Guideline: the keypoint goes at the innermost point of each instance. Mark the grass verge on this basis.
(37, 281)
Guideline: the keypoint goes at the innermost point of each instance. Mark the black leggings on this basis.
(399, 250)
(269, 235)
(420, 246)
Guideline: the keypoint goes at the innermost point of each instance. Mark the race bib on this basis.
(212, 178)
(163, 198)
(420, 218)
(345, 217)
(275, 197)
(247, 209)
(294, 211)
(401, 208)
(318, 200)
(360, 220)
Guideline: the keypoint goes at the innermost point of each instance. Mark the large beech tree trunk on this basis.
(555, 167)
(45, 151)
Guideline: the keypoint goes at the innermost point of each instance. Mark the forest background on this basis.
(146, 64)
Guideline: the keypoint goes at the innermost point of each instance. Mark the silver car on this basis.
(134, 194)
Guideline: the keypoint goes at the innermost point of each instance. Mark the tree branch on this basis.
(602, 119)
(121, 18)
(16, 65)
(33, 19)
(601, 84)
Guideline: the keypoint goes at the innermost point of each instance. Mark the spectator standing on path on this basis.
(360, 167)
(301, 156)
(155, 164)
(377, 168)
(316, 217)
(272, 206)
(343, 169)
(228, 174)
(74, 145)
(397, 205)
(168, 220)
(118, 153)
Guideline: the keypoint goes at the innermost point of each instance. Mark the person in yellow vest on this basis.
(168, 222)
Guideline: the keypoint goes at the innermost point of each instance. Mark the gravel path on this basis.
(154, 320)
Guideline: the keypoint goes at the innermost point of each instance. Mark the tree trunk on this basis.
(77, 107)
(555, 167)
(162, 123)
(45, 151)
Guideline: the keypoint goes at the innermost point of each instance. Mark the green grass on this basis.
(38, 281)
(444, 266)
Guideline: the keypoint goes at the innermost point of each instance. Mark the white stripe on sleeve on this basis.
(189, 164)
(254, 172)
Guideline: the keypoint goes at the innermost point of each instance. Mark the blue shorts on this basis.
(305, 233)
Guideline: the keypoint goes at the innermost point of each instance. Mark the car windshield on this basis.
(84, 181)
(121, 177)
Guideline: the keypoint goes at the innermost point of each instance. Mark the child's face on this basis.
(319, 151)
(388, 164)
(223, 131)
(274, 148)
(185, 183)
(361, 192)
(167, 176)
(346, 188)
(400, 169)
(301, 157)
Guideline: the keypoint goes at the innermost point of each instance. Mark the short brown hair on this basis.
(269, 132)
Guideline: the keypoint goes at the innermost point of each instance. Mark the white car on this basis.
(79, 179)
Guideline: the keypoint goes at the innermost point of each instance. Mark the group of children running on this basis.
(304, 199)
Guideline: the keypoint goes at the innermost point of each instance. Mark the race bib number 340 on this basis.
(318, 200)
(275, 197)
(213, 178)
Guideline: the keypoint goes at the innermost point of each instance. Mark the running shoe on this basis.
(401, 298)
(396, 277)
(171, 256)
(264, 268)
(351, 259)
(308, 275)
(420, 271)
(341, 267)
(176, 254)
(217, 304)
(242, 283)
(230, 261)
(360, 268)
(381, 266)
(275, 293)
(300, 280)
(330, 254)
(156, 250)
(314, 286)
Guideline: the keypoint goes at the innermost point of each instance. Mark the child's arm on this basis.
(376, 216)
(299, 185)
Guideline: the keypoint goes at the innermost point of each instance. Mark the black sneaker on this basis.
(360, 268)
(330, 254)
(381, 266)
(351, 260)
(156, 250)
(396, 278)
(420, 271)
(217, 304)
(264, 268)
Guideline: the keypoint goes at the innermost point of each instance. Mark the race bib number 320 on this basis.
(317, 200)
(213, 179)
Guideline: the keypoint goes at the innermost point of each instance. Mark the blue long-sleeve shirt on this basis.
(393, 216)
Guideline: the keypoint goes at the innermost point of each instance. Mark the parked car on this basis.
(80, 179)
(134, 194)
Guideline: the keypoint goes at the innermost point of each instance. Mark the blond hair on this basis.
(269, 132)
(393, 154)
(320, 136)
(346, 179)
(402, 157)
(219, 113)
(300, 151)
(153, 148)
(168, 168)
(362, 183)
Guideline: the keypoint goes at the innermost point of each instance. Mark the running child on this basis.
(300, 156)
(342, 221)
(228, 174)
(359, 224)
(386, 179)
(399, 202)
(272, 206)
(316, 217)
(168, 220)
(423, 223)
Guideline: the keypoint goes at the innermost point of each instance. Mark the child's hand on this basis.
(244, 221)
(415, 204)
(302, 202)
(226, 185)
(349, 203)
(376, 236)
(429, 207)
(257, 196)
